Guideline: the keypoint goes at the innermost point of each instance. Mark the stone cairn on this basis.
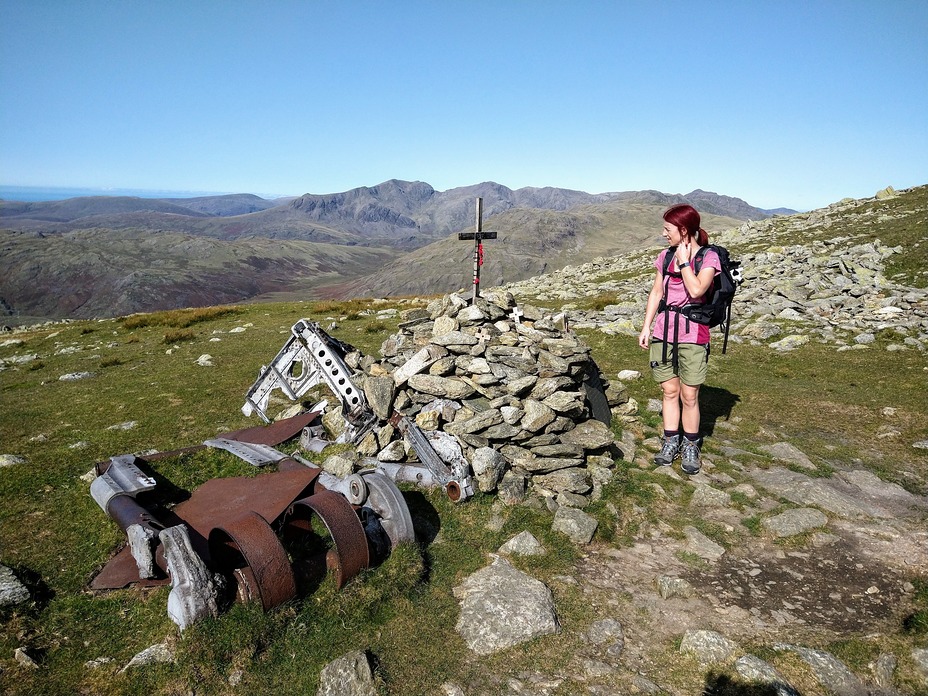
(506, 387)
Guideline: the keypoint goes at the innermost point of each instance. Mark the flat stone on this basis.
(709, 497)
(455, 338)
(501, 607)
(546, 465)
(701, 545)
(537, 415)
(441, 386)
(576, 524)
(796, 521)
(786, 452)
(591, 435)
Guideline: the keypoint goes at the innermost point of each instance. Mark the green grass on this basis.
(55, 537)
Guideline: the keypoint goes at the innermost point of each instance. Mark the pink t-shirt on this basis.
(677, 295)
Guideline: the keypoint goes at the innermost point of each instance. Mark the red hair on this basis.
(686, 217)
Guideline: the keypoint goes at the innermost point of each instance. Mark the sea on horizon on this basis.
(32, 194)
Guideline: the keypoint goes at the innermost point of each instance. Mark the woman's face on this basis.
(673, 234)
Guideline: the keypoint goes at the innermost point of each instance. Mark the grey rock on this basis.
(576, 524)
(560, 450)
(756, 670)
(349, 675)
(537, 415)
(701, 545)
(883, 669)
(511, 490)
(546, 465)
(501, 607)
(379, 392)
(74, 376)
(471, 315)
(591, 435)
(829, 670)
(522, 385)
(669, 587)
(158, 653)
(523, 544)
(920, 658)
(796, 521)
(24, 659)
(570, 403)
(845, 501)
(708, 647)
(342, 464)
(786, 452)
(12, 591)
(791, 342)
(393, 452)
(450, 387)
(572, 480)
(574, 500)
(455, 338)
(11, 460)
(709, 497)
(761, 330)
(488, 466)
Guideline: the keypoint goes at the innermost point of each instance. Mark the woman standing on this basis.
(679, 347)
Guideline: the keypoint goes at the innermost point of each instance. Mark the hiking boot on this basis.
(669, 451)
(690, 452)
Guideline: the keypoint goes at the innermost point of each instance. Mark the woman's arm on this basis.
(697, 285)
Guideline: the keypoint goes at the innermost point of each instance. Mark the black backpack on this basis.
(716, 310)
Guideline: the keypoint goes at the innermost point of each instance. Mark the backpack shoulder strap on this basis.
(668, 259)
(700, 255)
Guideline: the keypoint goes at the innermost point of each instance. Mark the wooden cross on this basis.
(478, 235)
(516, 315)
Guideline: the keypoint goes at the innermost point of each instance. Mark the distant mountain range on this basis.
(96, 256)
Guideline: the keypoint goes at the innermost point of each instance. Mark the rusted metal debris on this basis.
(239, 528)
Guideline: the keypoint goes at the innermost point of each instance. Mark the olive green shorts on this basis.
(693, 362)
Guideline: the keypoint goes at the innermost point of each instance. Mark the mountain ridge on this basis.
(95, 255)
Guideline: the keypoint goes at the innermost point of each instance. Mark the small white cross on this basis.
(483, 335)
(517, 315)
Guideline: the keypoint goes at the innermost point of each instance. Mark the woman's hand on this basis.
(644, 338)
(684, 252)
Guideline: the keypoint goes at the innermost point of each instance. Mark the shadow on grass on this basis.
(723, 685)
(715, 404)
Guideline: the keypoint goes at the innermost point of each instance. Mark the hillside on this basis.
(794, 563)
(529, 242)
(105, 273)
(75, 258)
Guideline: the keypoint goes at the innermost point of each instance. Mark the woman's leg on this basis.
(689, 446)
(689, 396)
(671, 404)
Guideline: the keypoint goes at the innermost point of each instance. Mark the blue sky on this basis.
(781, 103)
